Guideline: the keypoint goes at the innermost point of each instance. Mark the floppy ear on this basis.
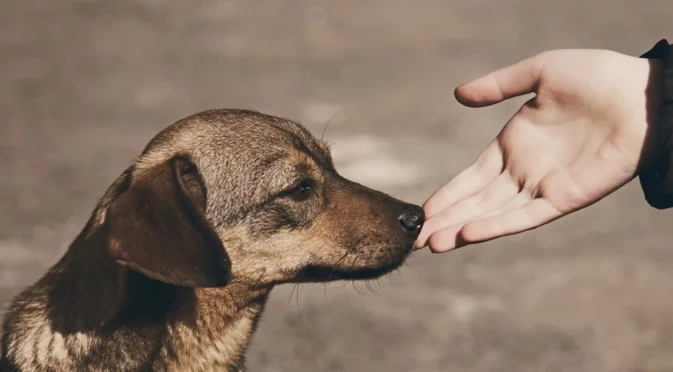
(158, 227)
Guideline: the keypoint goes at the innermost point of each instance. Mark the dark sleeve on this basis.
(657, 179)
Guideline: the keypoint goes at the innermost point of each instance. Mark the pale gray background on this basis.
(85, 84)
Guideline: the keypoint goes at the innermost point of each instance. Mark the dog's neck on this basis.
(218, 333)
(192, 329)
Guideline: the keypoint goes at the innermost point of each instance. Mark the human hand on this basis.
(587, 132)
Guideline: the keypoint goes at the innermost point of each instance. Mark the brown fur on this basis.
(172, 271)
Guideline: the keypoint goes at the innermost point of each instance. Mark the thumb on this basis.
(512, 81)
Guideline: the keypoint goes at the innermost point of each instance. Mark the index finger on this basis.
(468, 182)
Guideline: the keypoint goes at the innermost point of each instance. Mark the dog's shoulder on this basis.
(28, 340)
(35, 337)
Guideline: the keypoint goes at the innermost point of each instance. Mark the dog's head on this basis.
(237, 192)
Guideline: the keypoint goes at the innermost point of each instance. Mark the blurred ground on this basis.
(85, 84)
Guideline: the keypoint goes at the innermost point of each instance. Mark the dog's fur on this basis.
(172, 270)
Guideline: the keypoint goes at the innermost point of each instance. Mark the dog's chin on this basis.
(327, 273)
(316, 274)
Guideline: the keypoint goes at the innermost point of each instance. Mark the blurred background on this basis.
(85, 84)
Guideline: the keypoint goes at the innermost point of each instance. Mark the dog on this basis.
(174, 267)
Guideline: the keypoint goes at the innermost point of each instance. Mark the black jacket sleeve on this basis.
(657, 179)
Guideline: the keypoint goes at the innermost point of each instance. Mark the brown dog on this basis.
(172, 271)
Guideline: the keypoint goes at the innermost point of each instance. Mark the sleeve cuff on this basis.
(657, 179)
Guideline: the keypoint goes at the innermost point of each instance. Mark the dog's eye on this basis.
(302, 190)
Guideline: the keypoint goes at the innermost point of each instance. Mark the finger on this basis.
(448, 238)
(490, 198)
(512, 81)
(534, 214)
(467, 183)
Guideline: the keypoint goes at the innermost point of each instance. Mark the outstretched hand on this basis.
(586, 132)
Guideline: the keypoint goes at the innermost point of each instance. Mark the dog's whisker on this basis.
(355, 286)
(324, 287)
(377, 288)
(368, 285)
(327, 124)
(301, 319)
(289, 299)
(353, 282)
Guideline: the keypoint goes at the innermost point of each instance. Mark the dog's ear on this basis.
(157, 226)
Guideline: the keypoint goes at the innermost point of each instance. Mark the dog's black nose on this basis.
(412, 219)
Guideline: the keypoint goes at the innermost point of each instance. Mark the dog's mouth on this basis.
(344, 270)
(315, 273)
